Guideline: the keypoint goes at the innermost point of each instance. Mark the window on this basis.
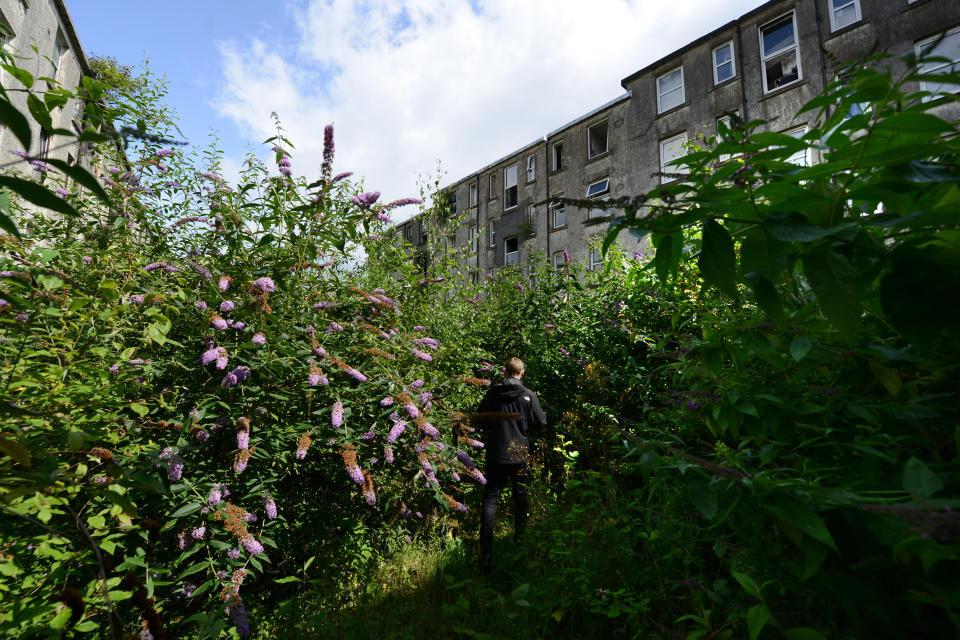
(843, 13)
(595, 259)
(452, 199)
(531, 168)
(510, 187)
(492, 186)
(511, 251)
(558, 213)
(472, 238)
(493, 234)
(726, 121)
(408, 232)
(6, 32)
(596, 191)
(531, 220)
(801, 158)
(948, 47)
(670, 150)
(724, 67)
(559, 259)
(59, 48)
(779, 54)
(473, 194)
(558, 156)
(670, 90)
(597, 139)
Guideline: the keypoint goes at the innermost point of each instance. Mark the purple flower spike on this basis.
(355, 474)
(234, 553)
(226, 305)
(398, 428)
(175, 469)
(269, 506)
(201, 305)
(386, 402)
(251, 544)
(259, 338)
(422, 355)
(336, 416)
(265, 284)
(366, 200)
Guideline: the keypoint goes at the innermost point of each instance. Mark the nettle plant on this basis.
(178, 354)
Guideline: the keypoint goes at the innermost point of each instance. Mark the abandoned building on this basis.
(764, 65)
(46, 25)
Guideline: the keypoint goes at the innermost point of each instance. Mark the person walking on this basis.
(506, 415)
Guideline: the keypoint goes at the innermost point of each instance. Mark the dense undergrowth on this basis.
(217, 423)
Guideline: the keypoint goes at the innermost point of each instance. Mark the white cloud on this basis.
(408, 82)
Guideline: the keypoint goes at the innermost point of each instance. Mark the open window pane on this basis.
(781, 71)
(779, 53)
(596, 191)
(532, 220)
(510, 186)
(511, 251)
(597, 139)
(558, 156)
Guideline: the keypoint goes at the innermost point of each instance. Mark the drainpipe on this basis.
(743, 87)
(546, 173)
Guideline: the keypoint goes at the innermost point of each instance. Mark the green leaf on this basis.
(767, 296)
(6, 221)
(55, 98)
(139, 409)
(186, 510)
(798, 514)
(85, 626)
(287, 579)
(24, 76)
(93, 87)
(667, 255)
(81, 176)
(16, 122)
(749, 584)
(520, 592)
(15, 450)
(889, 378)
(197, 568)
(800, 347)
(717, 261)
(834, 281)
(914, 122)
(38, 195)
(39, 112)
(701, 495)
(919, 480)
(804, 633)
(757, 616)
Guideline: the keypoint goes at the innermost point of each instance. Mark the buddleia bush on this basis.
(193, 380)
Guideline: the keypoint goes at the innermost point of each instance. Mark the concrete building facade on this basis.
(46, 25)
(764, 65)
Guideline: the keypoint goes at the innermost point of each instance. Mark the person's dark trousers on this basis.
(497, 475)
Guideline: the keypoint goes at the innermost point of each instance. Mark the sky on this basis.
(412, 87)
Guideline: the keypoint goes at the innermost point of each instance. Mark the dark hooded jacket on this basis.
(506, 414)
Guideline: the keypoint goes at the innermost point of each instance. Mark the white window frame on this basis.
(511, 257)
(682, 138)
(531, 167)
(606, 138)
(732, 62)
(602, 190)
(661, 94)
(558, 162)
(558, 261)
(532, 219)
(473, 238)
(834, 9)
(558, 206)
(727, 120)
(933, 67)
(766, 56)
(473, 194)
(510, 193)
(60, 49)
(492, 186)
(799, 132)
(493, 234)
(594, 258)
